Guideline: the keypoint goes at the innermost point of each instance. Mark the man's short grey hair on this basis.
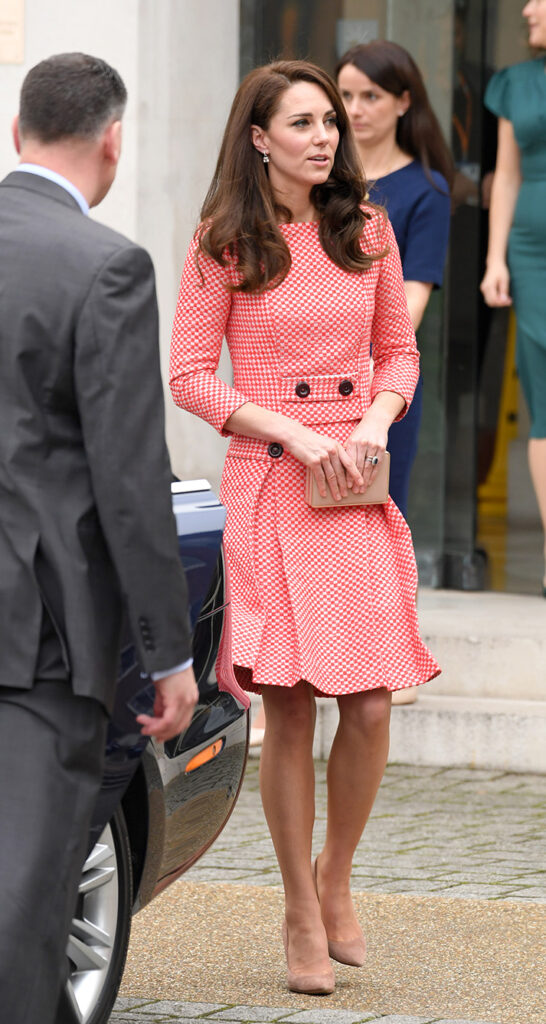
(70, 95)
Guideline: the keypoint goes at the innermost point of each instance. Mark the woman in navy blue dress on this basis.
(405, 156)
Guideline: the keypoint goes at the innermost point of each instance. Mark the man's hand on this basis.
(175, 699)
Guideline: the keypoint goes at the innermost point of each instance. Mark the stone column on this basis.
(179, 61)
(188, 62)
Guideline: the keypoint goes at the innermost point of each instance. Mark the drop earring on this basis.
(265, 158)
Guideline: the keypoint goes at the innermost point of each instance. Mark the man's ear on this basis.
(259, 139)
(111, 142)
(15, 133)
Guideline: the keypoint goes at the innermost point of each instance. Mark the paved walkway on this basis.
(437, 831)
(435, 834)
(140, 1011)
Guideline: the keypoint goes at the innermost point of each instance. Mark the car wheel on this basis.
(99, 935)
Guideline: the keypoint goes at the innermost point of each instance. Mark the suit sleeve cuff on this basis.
(171, 671)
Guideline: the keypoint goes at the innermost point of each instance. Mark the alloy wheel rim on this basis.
(93, 929)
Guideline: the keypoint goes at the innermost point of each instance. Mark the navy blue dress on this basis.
(419, 214)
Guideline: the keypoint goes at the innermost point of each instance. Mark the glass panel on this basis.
(509, 525)
(464, 567)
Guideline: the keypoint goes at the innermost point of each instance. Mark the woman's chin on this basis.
(363, 135)
(537, 39)
(319, 175)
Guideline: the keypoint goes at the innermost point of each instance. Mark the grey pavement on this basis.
(437, 831)
(433, 831)
(142, 1011)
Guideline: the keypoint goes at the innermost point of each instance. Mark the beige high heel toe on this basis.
(319, 983)
(351, 952)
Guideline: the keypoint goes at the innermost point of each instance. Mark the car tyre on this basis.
(99, 935)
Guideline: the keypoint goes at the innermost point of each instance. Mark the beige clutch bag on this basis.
(376, 494)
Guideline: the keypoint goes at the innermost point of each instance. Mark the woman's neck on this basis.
(383, 159)
(299, 204)
(302, 211)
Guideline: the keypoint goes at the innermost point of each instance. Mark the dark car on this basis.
(161, 804)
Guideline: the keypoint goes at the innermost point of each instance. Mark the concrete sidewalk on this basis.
(146, 1011)
(450, 884)
(133, 1011)
(432, 832)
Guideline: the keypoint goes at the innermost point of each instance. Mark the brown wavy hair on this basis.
(418, 132)
(240, 215)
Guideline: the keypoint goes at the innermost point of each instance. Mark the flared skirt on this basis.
(325, 595)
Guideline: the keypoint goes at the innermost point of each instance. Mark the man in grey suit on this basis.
(86, 524)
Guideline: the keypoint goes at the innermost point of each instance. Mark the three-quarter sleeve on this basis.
(497, 97)
(202, 313)
(395, 355)
(428, 235)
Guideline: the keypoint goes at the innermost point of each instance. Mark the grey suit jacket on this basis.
(86, 522)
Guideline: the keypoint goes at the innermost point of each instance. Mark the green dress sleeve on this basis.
(497, 97)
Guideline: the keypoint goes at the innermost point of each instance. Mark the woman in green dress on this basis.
(516, 256)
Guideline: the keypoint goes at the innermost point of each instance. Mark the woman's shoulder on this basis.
(425, 182)
(377, 226)
(207, 267)
(505, 84)
(519, 72)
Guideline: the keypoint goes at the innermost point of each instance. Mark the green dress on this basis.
(518, 94)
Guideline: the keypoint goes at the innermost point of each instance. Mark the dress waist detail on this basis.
(312, 399)
(319, 388)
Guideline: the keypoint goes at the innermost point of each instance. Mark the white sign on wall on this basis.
(12, 31)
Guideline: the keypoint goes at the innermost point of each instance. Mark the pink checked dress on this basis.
(326, 595)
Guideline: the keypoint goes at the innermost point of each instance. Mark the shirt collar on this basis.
(44, 172)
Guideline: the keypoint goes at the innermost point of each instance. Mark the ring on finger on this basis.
(371, 458)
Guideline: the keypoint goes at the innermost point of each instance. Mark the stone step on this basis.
(488, 644)
(465, 732)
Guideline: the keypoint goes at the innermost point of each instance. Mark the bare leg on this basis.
(287, 782)
(355, 769)
(537, 465)
(258, 728)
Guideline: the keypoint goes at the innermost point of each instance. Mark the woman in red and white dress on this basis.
(301, 275)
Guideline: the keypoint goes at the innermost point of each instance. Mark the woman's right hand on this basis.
(330, 464)
(495, 286)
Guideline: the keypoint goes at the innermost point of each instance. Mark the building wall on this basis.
(179, 61)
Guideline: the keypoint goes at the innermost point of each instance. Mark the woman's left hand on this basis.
(367, 441)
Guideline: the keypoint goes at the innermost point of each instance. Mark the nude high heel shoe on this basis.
(347, 951)
(320, 983)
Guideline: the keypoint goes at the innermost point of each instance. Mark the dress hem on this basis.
(242, 672)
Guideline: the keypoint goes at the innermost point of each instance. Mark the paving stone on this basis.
(529, 895)
(128, 1004)
(459, 832)
(198, 1009)
(397, 1019)
(150, 1018)
(254, 1013)
(320, 1016)
(182, 1010)
(459, 1020)
(143, 1018)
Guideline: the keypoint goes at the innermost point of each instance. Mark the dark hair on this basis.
(70, 95)
(418, 132)
(240, 214)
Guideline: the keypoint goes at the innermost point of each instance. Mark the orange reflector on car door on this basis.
(205, 755)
